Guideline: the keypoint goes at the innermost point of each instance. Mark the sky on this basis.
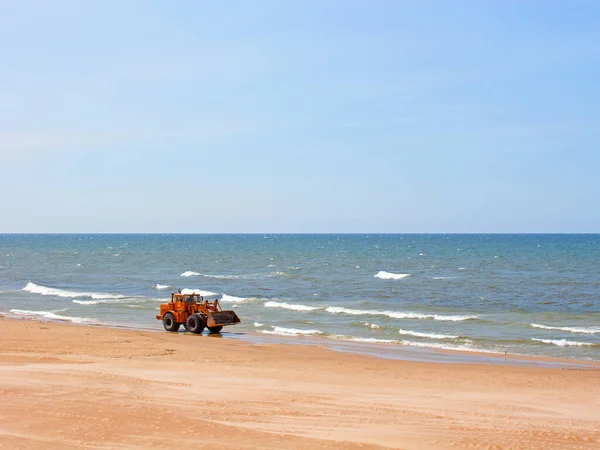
(299, 116)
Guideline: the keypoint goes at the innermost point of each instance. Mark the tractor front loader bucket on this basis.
(220, 318)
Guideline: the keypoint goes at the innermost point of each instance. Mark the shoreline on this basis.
(378, 350)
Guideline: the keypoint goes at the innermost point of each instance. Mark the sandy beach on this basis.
(69, 386)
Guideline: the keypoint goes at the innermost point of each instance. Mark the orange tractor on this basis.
(195, 313)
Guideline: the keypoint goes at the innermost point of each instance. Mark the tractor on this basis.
(195, 314)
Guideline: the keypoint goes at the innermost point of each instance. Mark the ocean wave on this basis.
(427, 335)
(281, 331)
(199, 291)
(94, 302)
(564, 342)
(162, 286)
(434, 345)
(273, 304)
(443, 278)
(391, 276)
(51, 315)
(373, 326)
(232, 299)
(190, 273)
(258, 324)
(44, 290)
(585, 330)
(396, 314)
(367, 340)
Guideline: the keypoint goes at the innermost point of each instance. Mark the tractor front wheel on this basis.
(170, 323)
(195, 324)
(215, 329)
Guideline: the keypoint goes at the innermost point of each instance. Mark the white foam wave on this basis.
(426, 335)
(391, 276)
(232, 299)
(443, 278)
(367, 340)
(190, 273)
(585, 330)
(51, 315)
(273, 304)
(562, 342)
(162, 286)
(434, 345)
(258, 324)
(281, 331)
(462, 348)
(43, 290)
(374, 326)
(199, 291)
(396, 315)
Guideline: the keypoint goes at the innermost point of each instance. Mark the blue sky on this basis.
(307, 116)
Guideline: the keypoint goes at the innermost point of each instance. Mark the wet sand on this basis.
(69, 386)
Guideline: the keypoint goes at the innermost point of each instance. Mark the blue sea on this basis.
(516, 294)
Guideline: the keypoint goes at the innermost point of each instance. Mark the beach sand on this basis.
(70, 386)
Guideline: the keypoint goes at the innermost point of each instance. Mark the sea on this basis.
(517, 294)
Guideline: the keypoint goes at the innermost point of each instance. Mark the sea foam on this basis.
(51, 315)
(562, 342)
(273, 304)
(427, 335)
(44, 290)
(281, 331)
(232, 299)
(396, 314)
(199, 291)
(162, 286)
(391, 276)
(190, 273)
(585, 330)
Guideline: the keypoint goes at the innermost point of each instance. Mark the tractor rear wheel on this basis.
(215, 329)
(195, 324)
(170, 323)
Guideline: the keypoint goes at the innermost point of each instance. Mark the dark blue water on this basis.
(521, 294)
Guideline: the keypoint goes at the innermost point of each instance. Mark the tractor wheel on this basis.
(215, 329)
(195, 324)
(170, 323)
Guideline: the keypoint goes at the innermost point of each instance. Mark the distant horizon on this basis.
(307, 234)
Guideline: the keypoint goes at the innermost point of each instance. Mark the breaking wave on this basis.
(51, 315)
(44, 290)
(232, 299)
(190, 273)
(199, 291)
(434, 345)
(281, 331)
(391, 276)
(367, 340)
(397, 315)
(585, 330)
(427, 335)
(162, 286)
(273, 304)
(563, 342)
(96, 302)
